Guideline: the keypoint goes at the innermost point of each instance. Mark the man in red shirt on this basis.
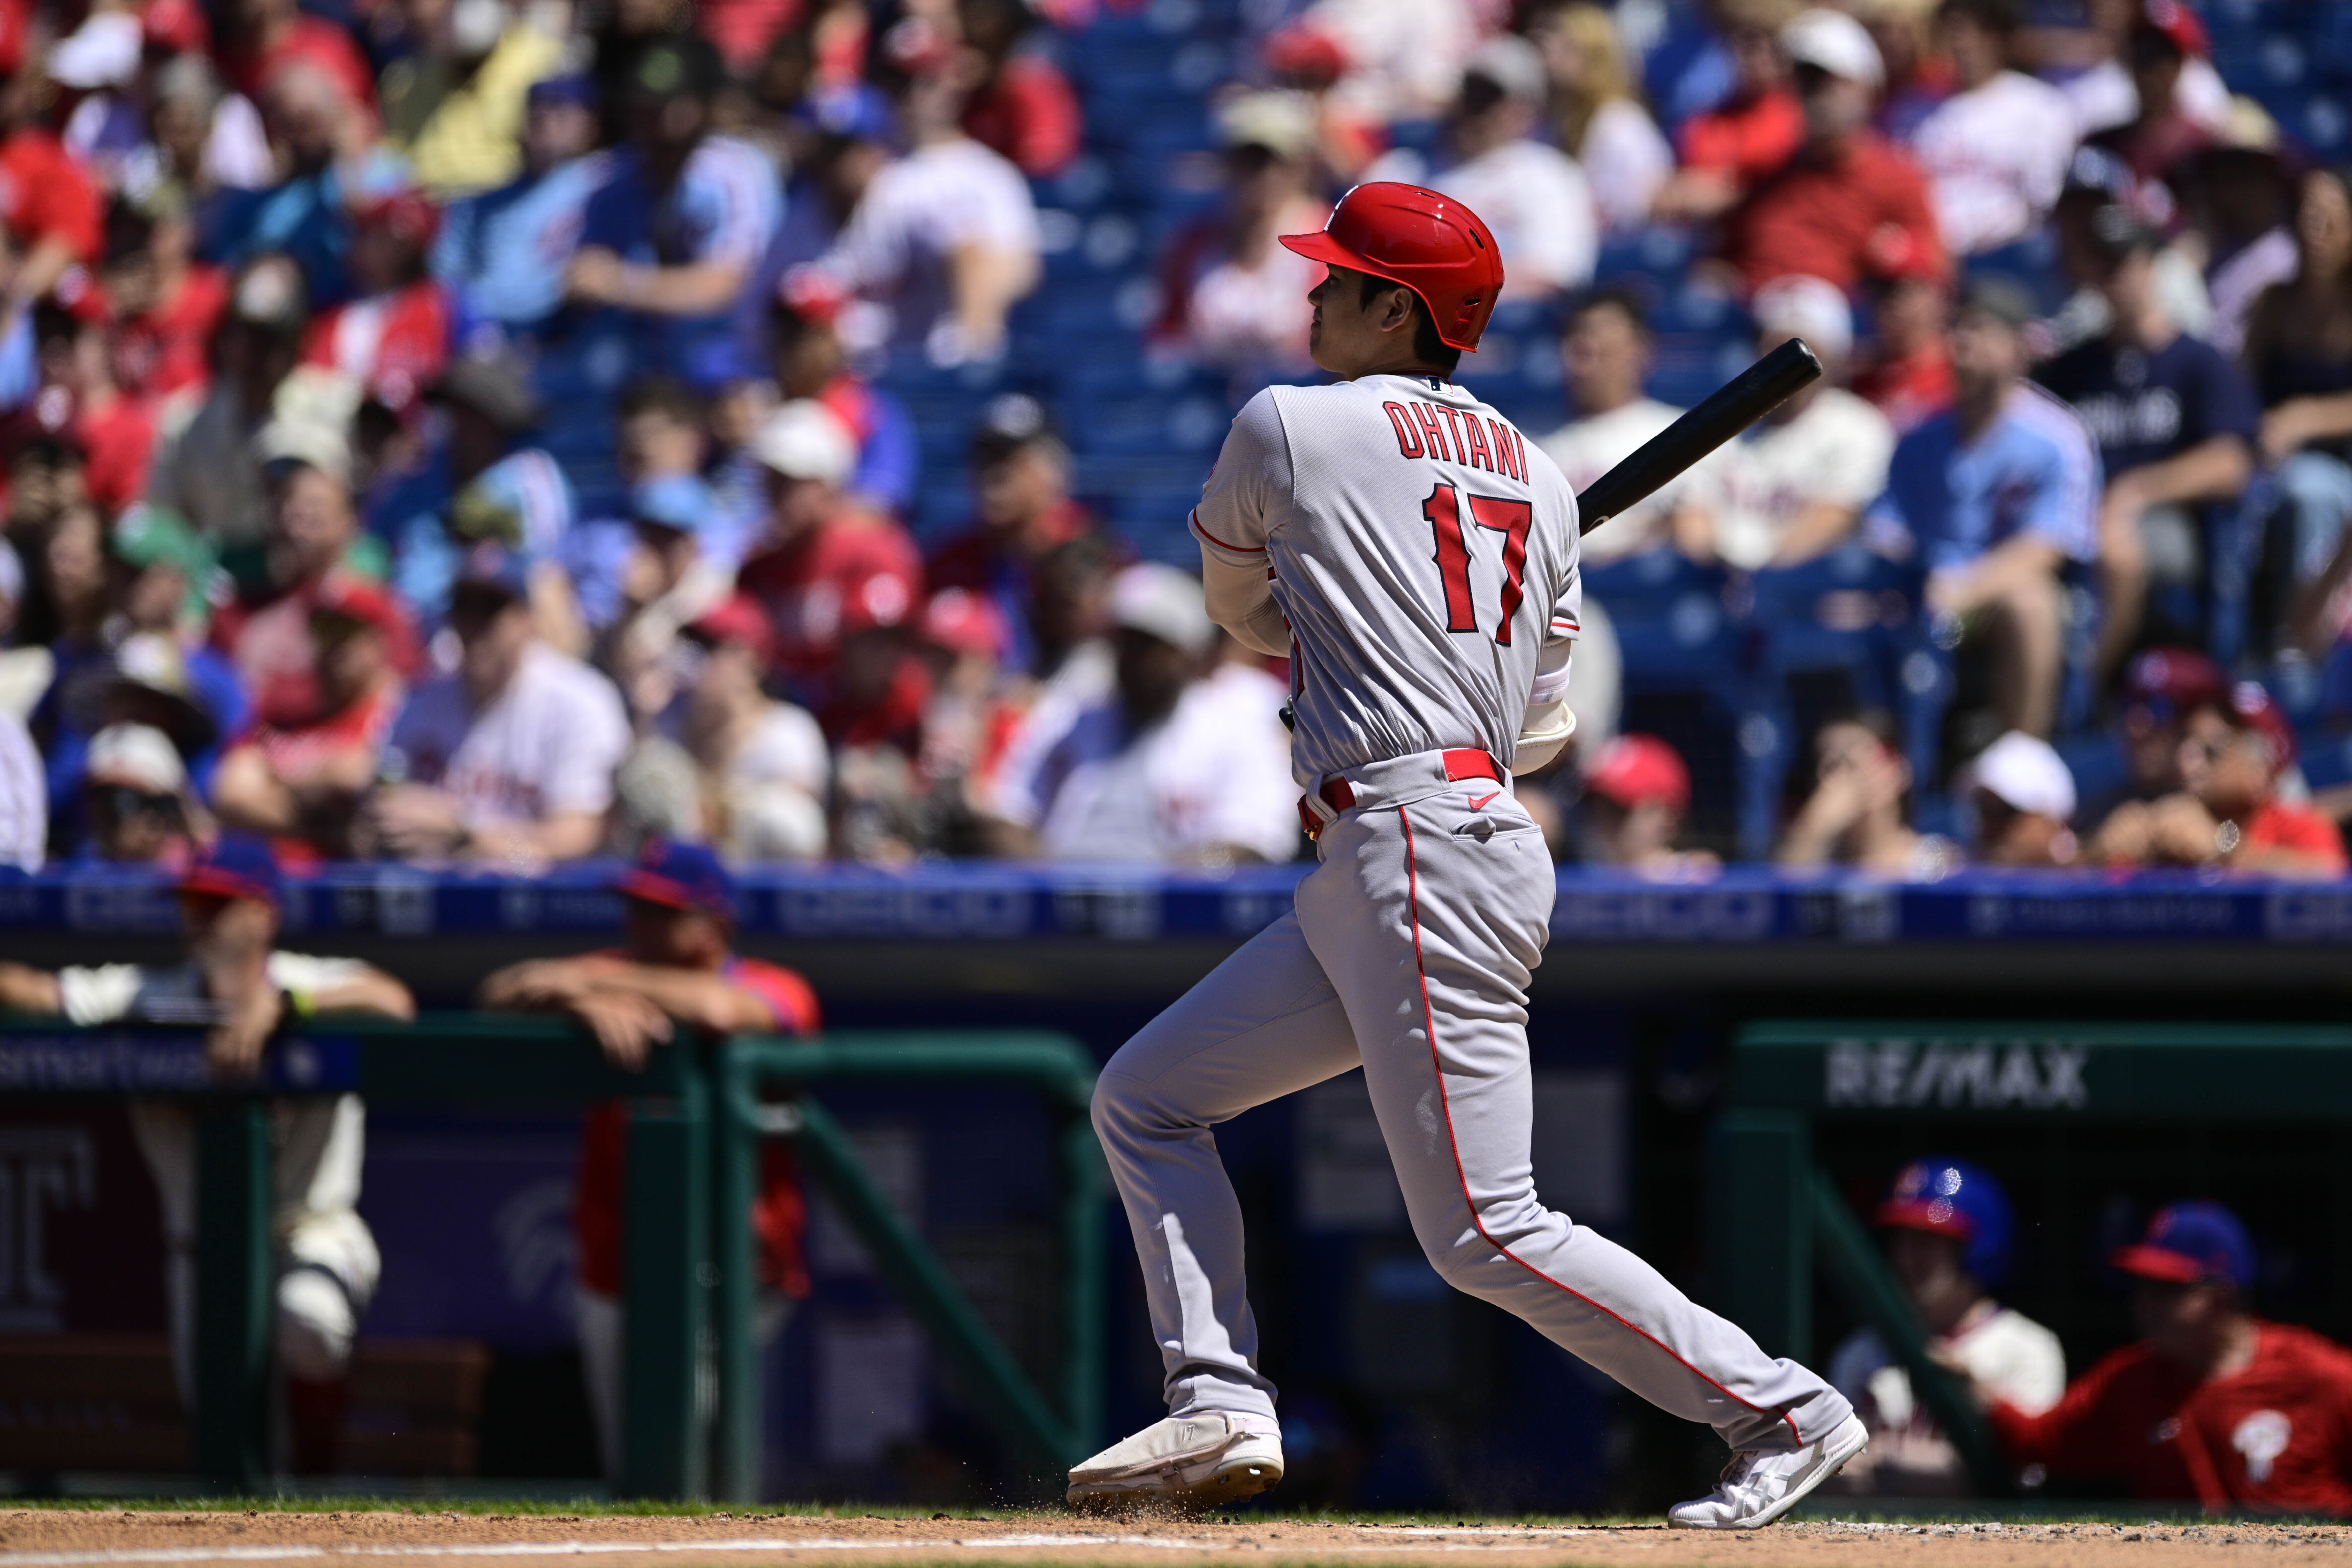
(264, 36)
(675, 967)
(1021, 482)
(50, 206)
(1848, 206)
(2212, 1403)
(825, 563)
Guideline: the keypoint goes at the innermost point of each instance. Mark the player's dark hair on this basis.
(1427, 346)
(661, 395)
(1612, 297)
(1999, 18)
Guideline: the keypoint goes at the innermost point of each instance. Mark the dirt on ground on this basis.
(39, 1538)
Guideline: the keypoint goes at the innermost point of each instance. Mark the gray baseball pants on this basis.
(1409, 954)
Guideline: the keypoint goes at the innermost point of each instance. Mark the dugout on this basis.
(2090, 1126)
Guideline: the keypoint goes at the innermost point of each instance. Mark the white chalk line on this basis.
(1495, 1541)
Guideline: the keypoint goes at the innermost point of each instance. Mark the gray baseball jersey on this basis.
(1423, 550)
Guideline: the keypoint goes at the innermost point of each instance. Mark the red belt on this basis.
(1465, 762)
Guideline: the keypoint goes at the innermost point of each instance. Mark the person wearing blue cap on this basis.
(2213, 1405)
(1946, 1225)
(675, 967)
(238, 985)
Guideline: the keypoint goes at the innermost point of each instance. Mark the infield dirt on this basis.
(69, 1538)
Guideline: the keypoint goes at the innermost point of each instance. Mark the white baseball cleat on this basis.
(1758, 1488)
(1194, 1461)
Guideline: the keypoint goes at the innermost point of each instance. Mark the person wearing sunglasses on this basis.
(136, 799)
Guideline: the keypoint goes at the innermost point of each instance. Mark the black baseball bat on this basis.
(1724, 412)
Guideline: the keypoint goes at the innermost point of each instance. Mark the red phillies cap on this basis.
(408, 214)
(961, 621)
(1430, 243)
(2251, 709)
(2181, 678)
(1633, 770)
(2177, 22)
(176, 26)
(737, 618)
(351, 598)
(880, 599)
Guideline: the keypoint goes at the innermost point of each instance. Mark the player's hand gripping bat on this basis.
(1729, 409)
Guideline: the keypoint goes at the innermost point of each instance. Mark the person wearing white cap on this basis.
(1794, 485)
(2021, 798)
(823, 555)
(1185, 764)
(1530, 194)
(135, 796)
(1848, 206)
(1232, 297)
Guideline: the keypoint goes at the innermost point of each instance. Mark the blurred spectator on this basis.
(2161, 132)
(2299, 349)
(1997, 495)
(167, 306)
(2175, 423)
(136, 801)
(304, 781)
(77, 398)
(242, 989)
(2096, 180)
(825, 561)
(51, 210)
(200, 137)
(2241, 204)
(1918, 76)
(1186, 765)
(483, 478)
(2162, 687)
(944, 240)
(502, 255)
(1597, 117)
(1858, 814)
(1794, 485)
(672, 236)
(312, 530)
(1023, 107)
(1908, 373)
(970, 717)
(675, 967)
(2099, 67)
(1995, 153)
(1230, 295)
(1606, 353)
(23, 797)
(393, 335)
(1637, 794)
(1728, 148)
(2212, 1405)
(453, 103)
(1021, 483)
(330, 164)
(2227, 813)
(1532, 195)
(1947, 1230)
(667, 583)
(763, 764)
(261, 40)
(663, 436)
(511, 758)
(162, 582)
(1846, 206)
(143, 681)
(2018, 797)
(1398, 59)
(203, 467)
(811, 363)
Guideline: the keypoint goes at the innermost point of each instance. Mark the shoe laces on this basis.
(1736, 1468)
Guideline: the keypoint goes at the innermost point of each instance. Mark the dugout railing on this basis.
(1778, 1215)
(695, 1120)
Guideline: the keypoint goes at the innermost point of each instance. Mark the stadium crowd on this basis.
(470, 431)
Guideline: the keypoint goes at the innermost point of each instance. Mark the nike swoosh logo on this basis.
(1481, 804)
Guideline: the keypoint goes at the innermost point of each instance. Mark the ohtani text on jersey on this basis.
(1422, 428)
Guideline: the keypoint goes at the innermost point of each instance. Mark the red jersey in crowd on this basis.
(164, 349)
(1747, 142)
(2275, 824)
(978, 560)
(855, 570)
(116, 439)
(779, 1216)
(2277, 1436)
(394, 344)
(1910, 389)
(45, 194)
(1029, 114)
(270, 641)
(1862, 214)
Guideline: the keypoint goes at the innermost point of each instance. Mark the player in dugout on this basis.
(245, 990)
(2212, 1405)
(676, 966)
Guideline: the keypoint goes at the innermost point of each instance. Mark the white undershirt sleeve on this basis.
(1548, 721)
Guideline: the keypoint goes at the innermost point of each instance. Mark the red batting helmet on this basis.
(1432, 244)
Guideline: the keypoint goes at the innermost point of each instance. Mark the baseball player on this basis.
(1415, 556)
